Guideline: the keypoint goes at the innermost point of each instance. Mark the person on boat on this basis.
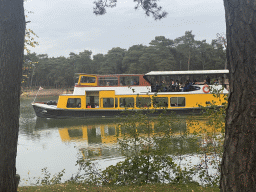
(173, 86)
(163, 86)
(158, 86)
(216, 82)
(181, 86)
(170, 85)
(187, 86)
(177, 86)
(208, 80)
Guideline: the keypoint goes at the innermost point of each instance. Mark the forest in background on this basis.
(162, 54)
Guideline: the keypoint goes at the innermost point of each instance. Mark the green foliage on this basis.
(213, 138)
(48, 180)
(88, 173)
(139, 170)
(213, 113)
(147, 145)
(92, 188)
(145, 162)
(162, 54)
(30, 35)
(113, 62)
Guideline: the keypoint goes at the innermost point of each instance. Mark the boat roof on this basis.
(191, 72)
(108, 74)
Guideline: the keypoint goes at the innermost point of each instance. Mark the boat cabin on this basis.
(86, 80)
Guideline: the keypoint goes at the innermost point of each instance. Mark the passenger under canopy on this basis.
(176, 81)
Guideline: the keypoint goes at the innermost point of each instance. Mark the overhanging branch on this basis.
(149, 6)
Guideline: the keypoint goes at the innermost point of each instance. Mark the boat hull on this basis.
(45, 111)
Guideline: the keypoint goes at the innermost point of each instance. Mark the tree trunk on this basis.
(12, 31)
(238, 168)
(188, 58)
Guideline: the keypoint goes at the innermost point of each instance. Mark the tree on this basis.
(114, 60)
(29, 65)
(111, 63)
(83, 63)
(12, 32)
(148, 60)
(97, 62)
(186, 45)
(238, 168)
(29, 35)
(163, 53)
(131, 62)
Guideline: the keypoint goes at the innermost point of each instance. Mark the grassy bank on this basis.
(83, 187)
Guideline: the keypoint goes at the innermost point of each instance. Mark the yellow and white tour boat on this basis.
(157, 91)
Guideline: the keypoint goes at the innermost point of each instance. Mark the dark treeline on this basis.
(182, 53)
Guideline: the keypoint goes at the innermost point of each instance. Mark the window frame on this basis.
(76, 103)
(154, 99)
(125, 106)
(178, 101)
(103, 102)
(148, 105)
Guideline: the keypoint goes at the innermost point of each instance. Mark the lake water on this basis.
(57, 144)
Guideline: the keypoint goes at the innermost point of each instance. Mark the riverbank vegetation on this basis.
(92, 188)
(182, 53)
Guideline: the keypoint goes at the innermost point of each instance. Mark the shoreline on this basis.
(46, 92)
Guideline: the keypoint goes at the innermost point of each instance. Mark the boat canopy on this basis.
(192, 72)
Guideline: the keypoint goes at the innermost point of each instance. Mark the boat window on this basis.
(129, 80)
(160, 101)
(116, 102)
(108, 81)
(143, 102)
(109, 130)
(108, 102)
(86, 79)
(126, 102)
(177, 101)
(74, 103)
(75, 133)
(92, 101)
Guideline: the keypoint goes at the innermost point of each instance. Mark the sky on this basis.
(65, 26)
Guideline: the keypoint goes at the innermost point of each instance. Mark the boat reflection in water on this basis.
(99, 140)
(93, 140)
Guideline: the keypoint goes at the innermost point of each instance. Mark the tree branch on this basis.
(149, 6)
(100, 6)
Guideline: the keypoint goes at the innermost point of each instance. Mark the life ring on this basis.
(207, 90)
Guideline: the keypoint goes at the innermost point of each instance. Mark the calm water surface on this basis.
(57, 144)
